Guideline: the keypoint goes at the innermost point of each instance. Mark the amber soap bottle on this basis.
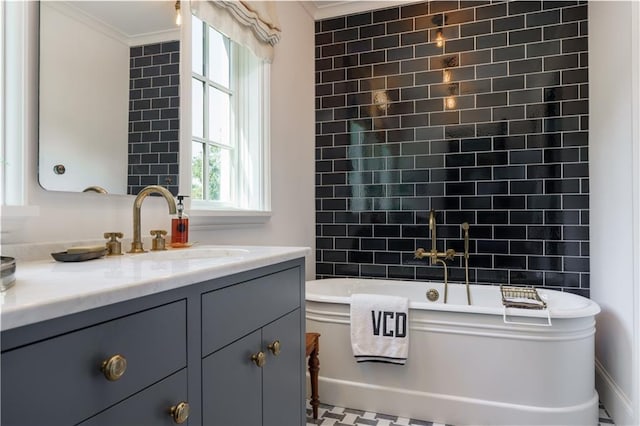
(180, 226)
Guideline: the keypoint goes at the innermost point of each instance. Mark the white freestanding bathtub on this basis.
(465, 365)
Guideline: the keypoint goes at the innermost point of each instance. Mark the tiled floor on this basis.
(329, 415)
(605, 418)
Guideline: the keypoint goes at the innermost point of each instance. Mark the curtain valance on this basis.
(253, 24)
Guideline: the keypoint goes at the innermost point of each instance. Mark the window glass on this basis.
(197, 112)
(197, 37)
(219, 116)
(219, 52)
(219, 185)
(197, 170)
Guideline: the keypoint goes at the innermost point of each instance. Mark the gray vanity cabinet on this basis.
(255, 379)
(239, 391)
(190, 345)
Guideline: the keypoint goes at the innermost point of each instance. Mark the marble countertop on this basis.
(47, 289)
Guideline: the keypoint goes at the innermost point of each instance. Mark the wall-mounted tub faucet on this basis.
(136, 244)
(434, 255)
(440, 257)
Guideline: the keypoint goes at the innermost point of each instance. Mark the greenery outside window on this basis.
(229, 144)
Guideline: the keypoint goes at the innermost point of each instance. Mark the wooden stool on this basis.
(313, 347)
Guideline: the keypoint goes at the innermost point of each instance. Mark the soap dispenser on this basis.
(180, 226)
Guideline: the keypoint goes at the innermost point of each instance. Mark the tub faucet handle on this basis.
(420, 253)
(450, 254)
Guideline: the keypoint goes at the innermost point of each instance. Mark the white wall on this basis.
(614, 232)
(292, 142)
(84, 103)
(64, 216)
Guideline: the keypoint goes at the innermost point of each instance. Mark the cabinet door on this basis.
(231, 385)
(282, 375)
(151, 407)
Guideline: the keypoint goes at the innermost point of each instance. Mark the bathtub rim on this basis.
(590, 308)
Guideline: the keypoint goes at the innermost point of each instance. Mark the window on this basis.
(15, 90)
(2, 101)
(229, 144)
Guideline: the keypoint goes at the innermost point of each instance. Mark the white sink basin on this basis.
(195, 253)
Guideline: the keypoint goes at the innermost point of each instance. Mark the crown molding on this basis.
(108, 30)
(324, 9)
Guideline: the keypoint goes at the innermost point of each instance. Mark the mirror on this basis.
(108, 96)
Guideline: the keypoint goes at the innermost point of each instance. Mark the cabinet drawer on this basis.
(235, 311)
(152, 406)
(59, 381)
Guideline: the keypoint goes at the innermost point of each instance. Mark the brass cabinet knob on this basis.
(180, 412)
(114, 367)
(260, 359)
(275, 347)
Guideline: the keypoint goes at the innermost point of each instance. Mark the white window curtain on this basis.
(253, 24)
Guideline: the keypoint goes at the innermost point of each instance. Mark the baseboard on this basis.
(614, 399)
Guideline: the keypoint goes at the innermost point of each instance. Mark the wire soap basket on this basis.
(522, 298)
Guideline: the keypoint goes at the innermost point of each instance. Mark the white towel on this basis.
(380, 328)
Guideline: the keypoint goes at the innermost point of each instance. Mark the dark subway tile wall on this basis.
(154, 124)
(478, 110)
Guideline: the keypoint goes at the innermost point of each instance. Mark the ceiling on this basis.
(131, 18)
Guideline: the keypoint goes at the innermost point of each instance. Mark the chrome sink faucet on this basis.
(136, 244)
